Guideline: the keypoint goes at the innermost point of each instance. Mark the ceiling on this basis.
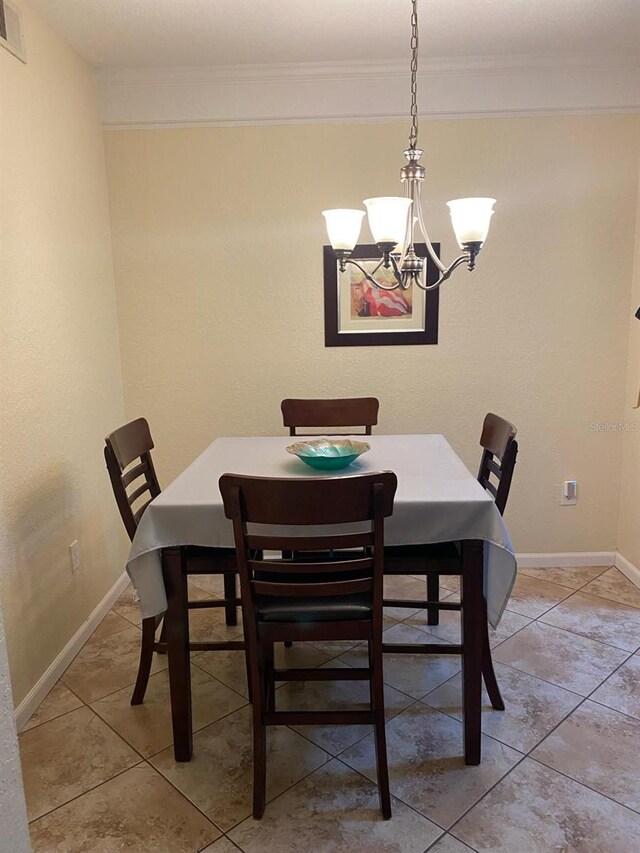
(120, 34)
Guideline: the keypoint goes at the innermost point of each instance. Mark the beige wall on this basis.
(60, 381)
(629, 519)
(217, 238)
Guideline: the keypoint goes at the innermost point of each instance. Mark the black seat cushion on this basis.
(210, 561)
(206, 551)
(272, 608)
(442, 557)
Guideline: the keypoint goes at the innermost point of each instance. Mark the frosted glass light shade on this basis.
(343, 227)
(388, 218)
(470, 218)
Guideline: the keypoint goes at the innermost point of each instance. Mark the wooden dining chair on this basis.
(309, 598)
(499, 452)
(133, 478)
(321, 414)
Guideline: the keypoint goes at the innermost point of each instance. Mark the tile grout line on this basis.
(88, 791)
(395, 797)
(549, 733)
(184, 797)
(539, 678)
(573, 589)
(197, 731)
(328, 757)
(288, 788)
(418, 701)
(57, 716)
(583, 784)
(573, 634)
(604, 597)
(584, 636)
(517, 631)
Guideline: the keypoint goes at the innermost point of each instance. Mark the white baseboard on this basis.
(628, 569)
(566, 559)
(51, 676)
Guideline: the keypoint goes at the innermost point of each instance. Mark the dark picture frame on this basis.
(334, 336)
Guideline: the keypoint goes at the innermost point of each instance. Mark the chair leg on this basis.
(146, 658)
(259, 764)
(488, 673)
(249, 679)
(433, 594)
(259, 693)
(230, 610)
(377, 696)
(269, 682)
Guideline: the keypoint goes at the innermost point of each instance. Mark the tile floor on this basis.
(560, 769)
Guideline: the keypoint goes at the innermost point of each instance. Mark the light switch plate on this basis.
(569, 493)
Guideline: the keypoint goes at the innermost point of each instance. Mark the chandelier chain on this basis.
(413, 135)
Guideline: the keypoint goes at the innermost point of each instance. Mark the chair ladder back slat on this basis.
(491, 488)
(312, 590)
(289, 567)
(313, 543)
(133, 497)
(133, 473)
(137, 515)
(494, 468)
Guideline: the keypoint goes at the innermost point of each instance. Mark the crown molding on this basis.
(359, 92)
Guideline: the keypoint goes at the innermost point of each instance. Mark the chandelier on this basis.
(392, 220)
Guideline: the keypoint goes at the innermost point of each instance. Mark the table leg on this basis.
(177, 627)
(472, 645)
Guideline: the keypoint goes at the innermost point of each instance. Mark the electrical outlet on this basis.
(569, 493)
(74, 554)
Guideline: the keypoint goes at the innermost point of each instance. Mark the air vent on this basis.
(11, 30)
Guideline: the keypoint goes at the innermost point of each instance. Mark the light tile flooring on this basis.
(560, 768)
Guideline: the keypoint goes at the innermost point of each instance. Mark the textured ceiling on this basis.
(166, 33)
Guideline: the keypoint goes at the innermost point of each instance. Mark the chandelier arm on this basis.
(461, 259)
(369, 276)
(423, 228)
(397, 271)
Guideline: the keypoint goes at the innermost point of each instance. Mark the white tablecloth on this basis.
(438, 500)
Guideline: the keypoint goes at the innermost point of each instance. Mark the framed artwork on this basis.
(356, 313)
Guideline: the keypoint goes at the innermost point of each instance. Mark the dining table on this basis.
(437, 500)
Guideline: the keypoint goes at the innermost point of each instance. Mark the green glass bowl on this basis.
(328, 454)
